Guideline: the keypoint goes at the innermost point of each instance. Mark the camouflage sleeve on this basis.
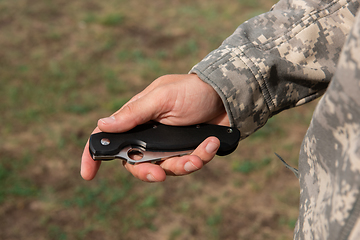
(329, 162)
(278, 60)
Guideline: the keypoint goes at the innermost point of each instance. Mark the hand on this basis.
(178, 100)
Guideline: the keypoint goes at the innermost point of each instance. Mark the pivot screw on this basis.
(105, 141)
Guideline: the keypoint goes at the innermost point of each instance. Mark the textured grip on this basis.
(158, 137)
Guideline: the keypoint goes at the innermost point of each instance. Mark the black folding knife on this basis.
(156, 142)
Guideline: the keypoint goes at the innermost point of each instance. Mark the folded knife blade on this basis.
(156, 142)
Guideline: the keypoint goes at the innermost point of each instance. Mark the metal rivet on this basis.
(155, 126)
(105, 141)
(229, 130)
(197, 126)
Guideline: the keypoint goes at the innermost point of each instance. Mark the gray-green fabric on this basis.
(280, 59)
(285, 58)
(329, 163)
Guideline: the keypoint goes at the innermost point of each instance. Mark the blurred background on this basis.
(65, 64)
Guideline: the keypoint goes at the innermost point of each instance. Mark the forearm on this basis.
(278, 60)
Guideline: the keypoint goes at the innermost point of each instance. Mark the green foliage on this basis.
(249, 166)
(271, 128)
(103, 197)
(89, 18)
(113, 84)
(78, 108)
(244, 167)
(175, 234)
(213, 224)
(250, 3)
(12, 183)
(214, 219)
(56, 233)
(189, 48)
(116, 104)
(149, 202)
(288, 222)
(113, 19)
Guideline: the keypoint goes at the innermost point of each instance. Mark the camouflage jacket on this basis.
(288, 57)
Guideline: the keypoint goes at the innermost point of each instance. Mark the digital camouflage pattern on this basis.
(288, 57)
(329, 162)
(280, 59)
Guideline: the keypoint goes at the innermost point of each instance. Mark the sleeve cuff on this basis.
(228, 71)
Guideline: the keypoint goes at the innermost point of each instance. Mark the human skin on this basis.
(177, 100)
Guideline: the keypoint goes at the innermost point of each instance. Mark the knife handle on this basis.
(158, 137)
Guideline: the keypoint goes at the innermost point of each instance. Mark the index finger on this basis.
(89, 167)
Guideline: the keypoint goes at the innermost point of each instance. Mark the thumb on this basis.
(133, 113)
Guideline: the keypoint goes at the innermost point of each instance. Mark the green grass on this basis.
(112, 19)
(12, 182)
(248, 166)
(271, 128)
(56, 232)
